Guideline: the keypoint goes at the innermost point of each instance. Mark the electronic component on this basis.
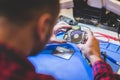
(75, 35)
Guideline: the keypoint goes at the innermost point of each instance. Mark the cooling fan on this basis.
(75, 35)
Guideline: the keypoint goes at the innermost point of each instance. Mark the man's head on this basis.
(27, 22)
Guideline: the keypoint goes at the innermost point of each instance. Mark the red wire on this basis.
(107, 36)
(106, 41)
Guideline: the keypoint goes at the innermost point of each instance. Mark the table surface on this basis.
(69, 13)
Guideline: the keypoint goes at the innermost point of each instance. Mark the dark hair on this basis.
(22, 11)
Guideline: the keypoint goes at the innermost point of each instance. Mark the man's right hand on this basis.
(91, 48)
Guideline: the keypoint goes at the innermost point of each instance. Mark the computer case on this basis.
(86, 14)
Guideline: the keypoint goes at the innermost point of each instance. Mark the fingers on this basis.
(61, 25)
(89, 33)
(90, 38)
(80, 46)
(65, 26)
(57, 41)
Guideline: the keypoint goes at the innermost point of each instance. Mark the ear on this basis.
(43, 25)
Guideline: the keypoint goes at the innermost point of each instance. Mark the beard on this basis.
(39, 44)
(38, 47)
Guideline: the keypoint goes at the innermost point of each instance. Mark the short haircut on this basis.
(23, 11)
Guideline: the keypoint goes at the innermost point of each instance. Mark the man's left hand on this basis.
(61, 26)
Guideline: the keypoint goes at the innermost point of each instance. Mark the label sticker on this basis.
(63, 52)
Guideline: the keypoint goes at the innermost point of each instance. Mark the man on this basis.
(25, 27)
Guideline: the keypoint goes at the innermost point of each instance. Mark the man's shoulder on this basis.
(14, 66)
(13, 57)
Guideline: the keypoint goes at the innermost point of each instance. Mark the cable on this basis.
(105, 41)
(97, 34)
(107, 36)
